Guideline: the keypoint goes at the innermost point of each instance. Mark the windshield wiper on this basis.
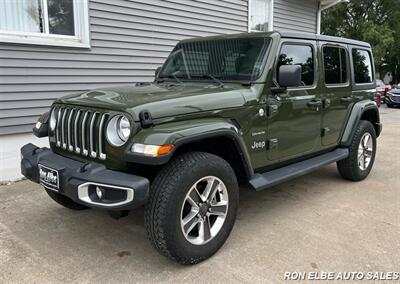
(219, 82)
(173, 75)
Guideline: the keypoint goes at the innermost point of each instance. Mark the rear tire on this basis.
(361, 158)
(65, 201)
(178, 215)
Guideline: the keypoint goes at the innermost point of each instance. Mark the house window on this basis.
(44, 22)
(260, 15)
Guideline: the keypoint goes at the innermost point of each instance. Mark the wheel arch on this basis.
(225, 144)
(215, 136)
(364, 110)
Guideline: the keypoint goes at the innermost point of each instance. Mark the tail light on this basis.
(378, 100)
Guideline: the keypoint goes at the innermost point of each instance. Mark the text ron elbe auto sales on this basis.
(343, 276)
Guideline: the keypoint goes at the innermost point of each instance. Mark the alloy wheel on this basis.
(204, 210)
(365, 150)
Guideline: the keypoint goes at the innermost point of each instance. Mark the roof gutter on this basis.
(323, 5)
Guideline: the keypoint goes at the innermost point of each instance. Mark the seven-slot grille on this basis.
(395, 98)
(81, 131)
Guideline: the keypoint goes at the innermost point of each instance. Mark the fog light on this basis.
(105, 195)
(99, 192)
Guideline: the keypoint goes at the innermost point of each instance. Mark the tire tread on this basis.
(348, 168)
(162, 189)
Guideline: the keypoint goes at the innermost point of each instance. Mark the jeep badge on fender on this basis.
(249, 110)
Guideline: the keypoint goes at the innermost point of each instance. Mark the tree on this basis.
(373, 21)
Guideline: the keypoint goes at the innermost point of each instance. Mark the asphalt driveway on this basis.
(315, 223)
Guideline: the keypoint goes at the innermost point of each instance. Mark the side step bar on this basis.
(261, 181)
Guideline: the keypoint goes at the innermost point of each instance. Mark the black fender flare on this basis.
(208, 128)
(358, 111)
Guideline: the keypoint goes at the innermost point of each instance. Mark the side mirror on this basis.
(157, 71)
(289, 76)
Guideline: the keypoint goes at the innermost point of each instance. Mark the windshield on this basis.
(224, 59)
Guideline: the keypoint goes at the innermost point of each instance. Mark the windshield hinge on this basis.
(145, 119)
(142, 84)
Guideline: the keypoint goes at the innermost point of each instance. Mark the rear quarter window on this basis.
(362, 63)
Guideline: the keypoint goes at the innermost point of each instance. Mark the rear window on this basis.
(362, 66)
(335, 65)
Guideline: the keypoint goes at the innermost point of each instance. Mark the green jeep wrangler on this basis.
(250, 110)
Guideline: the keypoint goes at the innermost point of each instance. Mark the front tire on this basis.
(192, 207)
(361, 158)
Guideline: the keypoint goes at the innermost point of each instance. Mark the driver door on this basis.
(294, 122)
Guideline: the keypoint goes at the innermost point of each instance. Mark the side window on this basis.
(335, 65)
(293, 54)
(362, 66)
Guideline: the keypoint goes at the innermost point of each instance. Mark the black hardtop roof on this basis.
(303, 35)
(294, 35)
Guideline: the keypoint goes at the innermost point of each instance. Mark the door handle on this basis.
(326, 103)
(314, 104)
(346, 100)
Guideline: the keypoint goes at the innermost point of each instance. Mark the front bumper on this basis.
(393, 100)
(75, 177)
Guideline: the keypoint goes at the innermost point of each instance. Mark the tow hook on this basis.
(118, 214)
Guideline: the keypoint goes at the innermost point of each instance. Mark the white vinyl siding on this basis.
(295, 15)
(129, 40)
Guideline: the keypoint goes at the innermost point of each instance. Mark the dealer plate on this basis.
(49, 177)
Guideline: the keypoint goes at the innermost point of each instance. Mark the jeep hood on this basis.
(395, 91)
(161, 101)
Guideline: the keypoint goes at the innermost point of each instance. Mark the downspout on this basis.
(319, 18)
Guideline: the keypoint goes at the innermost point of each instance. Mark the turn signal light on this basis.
(38, 125)
(152, 150)
(165, 150)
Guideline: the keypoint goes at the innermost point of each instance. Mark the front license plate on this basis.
(49, 177)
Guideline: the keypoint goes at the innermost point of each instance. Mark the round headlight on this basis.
(124, 128)
(118, 130)
(53, 120)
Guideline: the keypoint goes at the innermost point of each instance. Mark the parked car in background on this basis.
(393, 97)
(382, 89)
(379, 99)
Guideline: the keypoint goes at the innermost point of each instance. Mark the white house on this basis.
(50, 48)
